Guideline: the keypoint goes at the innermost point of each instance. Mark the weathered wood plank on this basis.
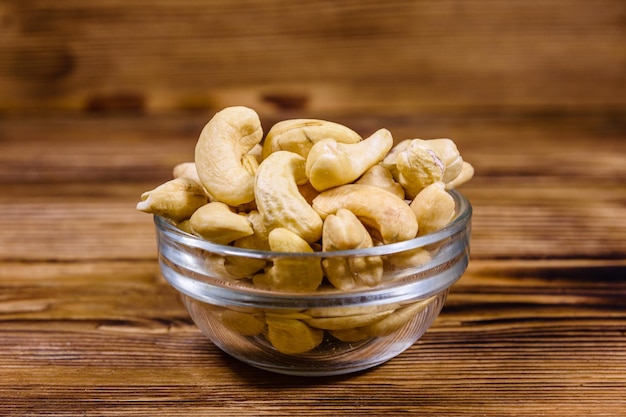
(380, 56)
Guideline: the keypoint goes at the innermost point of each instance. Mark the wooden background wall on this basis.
(524, 57)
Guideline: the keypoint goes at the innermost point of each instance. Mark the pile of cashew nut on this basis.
(310, 185)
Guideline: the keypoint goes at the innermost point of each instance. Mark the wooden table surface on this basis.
(537, 325)
(99, 100)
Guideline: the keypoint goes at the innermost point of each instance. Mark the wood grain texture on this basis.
(318, 55)
(535, 327)
(99, 100)
(514, 339)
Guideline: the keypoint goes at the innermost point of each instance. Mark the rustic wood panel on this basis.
(348, 56)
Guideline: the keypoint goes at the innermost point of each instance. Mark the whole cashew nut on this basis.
(279, 200)
(379, 176)
(245, 323)
(448, 152)
(291, 336)
(343, 231)
(466, 174)
(418, 166)
(186, 170)
(176, 199)
(390, 217)
(299, 135)
(397, 319)
(349, 321)
(433, 207)
(220, 154)
(245, 266)
(331, 163)
(290, 274)
(216, 223)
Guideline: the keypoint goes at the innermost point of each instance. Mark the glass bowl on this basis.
(326, 332)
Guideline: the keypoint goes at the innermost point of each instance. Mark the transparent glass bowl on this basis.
(326, 332)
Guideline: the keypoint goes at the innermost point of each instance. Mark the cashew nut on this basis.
(217, 223)
(184, 226)
(448, 152)
(342, 231)
(292, 337)
(176, 199)
(433, 207)
(279, 200)
(247, 324)
(349, 335)
(397, 319)
(331, 163)
(258, 240)
(348, 321)
(466, 174)
(243, 266)
(299, 135)
(407, 259)
(186, 170)
(391, 218)
(418, 166)
(220, 155)
(379, 176)
(290, 274)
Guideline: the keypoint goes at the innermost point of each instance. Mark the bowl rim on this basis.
(460, 222)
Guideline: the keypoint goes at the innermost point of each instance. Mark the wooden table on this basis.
(99, 100)
(537, 326)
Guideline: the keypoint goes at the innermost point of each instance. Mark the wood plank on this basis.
(68, 183)
(527, 219)
(374, 55)
(483, 355)
(62, 149)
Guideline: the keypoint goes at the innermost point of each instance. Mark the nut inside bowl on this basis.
(328, 331)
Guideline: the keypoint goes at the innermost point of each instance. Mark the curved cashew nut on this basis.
(216, 223)
(466, 174)
(408, 259)
(299, 135)
(220, 154)
(391, 217)
(244, 323)
(342, 231)
(331, 163)
(399, 318)
(289, 274)
(176, 199)
(347, 321)
(186, 170)
(433, 207)
(379, 176)
(189, 170)
(278, 199)
(291, 336)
